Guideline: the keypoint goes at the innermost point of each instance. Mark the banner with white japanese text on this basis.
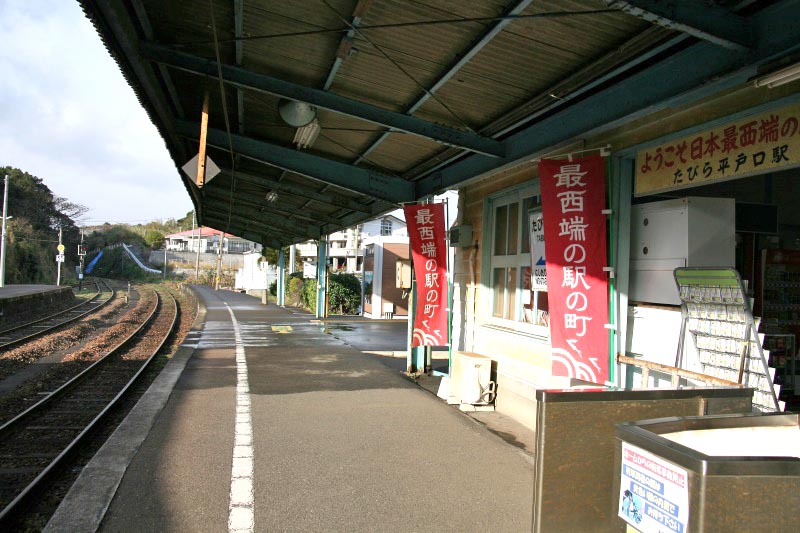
(426, 230)
(573, 200)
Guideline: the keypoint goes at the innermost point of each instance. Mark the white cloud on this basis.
(68, 116)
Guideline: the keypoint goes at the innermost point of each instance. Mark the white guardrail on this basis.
(141, 265)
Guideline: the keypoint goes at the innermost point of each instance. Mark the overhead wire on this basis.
(399, 67)
(232, 173)
(550, 14)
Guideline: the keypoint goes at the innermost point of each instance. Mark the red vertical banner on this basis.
(573, 198)
(426, 229)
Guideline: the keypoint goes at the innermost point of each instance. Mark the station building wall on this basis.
(521, 361)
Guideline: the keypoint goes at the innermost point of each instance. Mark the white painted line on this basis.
(241, 509)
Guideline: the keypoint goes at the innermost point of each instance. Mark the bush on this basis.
(344, 293)
(294, 290)
(308, 295)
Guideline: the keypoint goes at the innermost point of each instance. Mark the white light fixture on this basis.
(780, 77)
(271, 196)
(305, 136)
(297, 114)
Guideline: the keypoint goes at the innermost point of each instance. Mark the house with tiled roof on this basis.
(207, 240)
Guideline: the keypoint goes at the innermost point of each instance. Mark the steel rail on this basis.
(24, 338)
(9, 512)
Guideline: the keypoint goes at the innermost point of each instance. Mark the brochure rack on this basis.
(717, 313)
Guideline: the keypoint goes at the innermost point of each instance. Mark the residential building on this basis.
(207, 239)
(346, 247)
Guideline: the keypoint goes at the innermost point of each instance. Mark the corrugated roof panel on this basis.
(301, 58)
(508, 78)
(424, 52)
(401, 151)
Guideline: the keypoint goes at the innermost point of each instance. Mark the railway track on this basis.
(39, 442)
(21, 333)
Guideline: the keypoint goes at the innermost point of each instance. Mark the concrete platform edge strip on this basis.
(241, 508)
(88, 499)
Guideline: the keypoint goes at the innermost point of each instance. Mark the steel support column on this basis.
(322, 278)
(281, 278)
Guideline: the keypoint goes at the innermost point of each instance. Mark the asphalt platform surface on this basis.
(340, 441)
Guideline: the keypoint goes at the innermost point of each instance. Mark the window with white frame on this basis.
(386, 227)
(512, 299)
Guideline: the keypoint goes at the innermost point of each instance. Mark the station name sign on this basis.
(755, 144)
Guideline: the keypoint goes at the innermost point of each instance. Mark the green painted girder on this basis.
(326, 198)
(347, 106)
(269, 222)
(356, 179)
(276, 221)
(700, 19)
(241, 224)
(688, 76)
(252, 201)
(272, 237)
(514, 8)
(264, 238)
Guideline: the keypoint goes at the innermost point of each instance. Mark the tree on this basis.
(153, 238)
(38, 215)
(69, 209)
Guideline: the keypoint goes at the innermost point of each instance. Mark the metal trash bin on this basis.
(709, 473)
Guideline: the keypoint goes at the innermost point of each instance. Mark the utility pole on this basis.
(219, 260)
(197, 246)
(165, 260)
(3, 249)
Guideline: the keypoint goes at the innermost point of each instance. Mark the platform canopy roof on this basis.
(412, 97)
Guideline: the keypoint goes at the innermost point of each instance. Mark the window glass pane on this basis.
(525, 244)
(499, 286)
(513, 228)
(511, 300)
(500, 229)
(528, 314)
(542, 309)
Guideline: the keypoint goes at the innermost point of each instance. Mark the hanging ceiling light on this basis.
(780, 77)
(305, 136)
(297, 114)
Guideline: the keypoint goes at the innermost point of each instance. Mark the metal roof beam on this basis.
(147, 30)
(331, 199)
(273, 207)
(265, 217)
(238, 31)
(699, 19)
(114, 23)
(517, 8)
(356, 179)
(346, 43)
(324, 99)
(265, 238)
(262, 224)
(688, 76)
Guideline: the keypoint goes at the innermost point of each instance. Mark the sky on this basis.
(68, 116)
